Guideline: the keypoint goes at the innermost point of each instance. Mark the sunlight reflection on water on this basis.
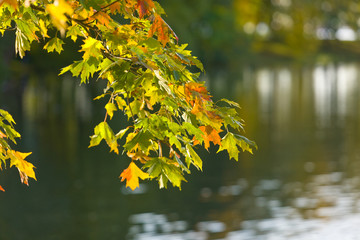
(326, 207)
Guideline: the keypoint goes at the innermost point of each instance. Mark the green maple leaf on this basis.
(160, 168)
(229, 143)
(54, 44)
(193, 157)
(103, 131)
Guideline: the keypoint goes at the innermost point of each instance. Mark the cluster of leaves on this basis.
(129, 45)
(17, 159)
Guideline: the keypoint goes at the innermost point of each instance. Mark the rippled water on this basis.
(302, 183)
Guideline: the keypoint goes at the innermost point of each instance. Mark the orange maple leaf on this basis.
(132, 175)
(115, 7)
(197, 90)
(102, 18)
(210, 135)
(160, 27)
(144, 7)
(12, 3)
(1, 189)
(197, 107)
(138, 156)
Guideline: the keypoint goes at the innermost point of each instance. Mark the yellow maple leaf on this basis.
(58, 11)
(43, 28)
(132, 175)
(25, 168)
(91, 48)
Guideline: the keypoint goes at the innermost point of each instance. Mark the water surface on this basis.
(302, 183)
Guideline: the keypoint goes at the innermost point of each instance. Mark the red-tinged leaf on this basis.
(210, 135)
(197, 90)
(144, 7)
(197, 108)
(23, 177)
(1, 189)
(161, 29)
(103, 19)
(143, 158)
(132, 175)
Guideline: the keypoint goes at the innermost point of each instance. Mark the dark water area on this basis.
(302, 183)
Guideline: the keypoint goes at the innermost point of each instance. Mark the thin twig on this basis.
(37, 8)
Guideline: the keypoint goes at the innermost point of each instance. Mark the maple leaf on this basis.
(54, 44)
(91, 48)
(144, 7)
(115, 7)
(102, 18)
(25, 168)
(193, 157)
(210, 135)
(43, 28)
(1, 189)
(197, 108)
(161, 29)
(229, 143)
(132, 175)
(165, 170)
(58, 11)
(142, 157)
(245, 144)
(103, 131)
(12, 3)
(196, 90)
(110, 108)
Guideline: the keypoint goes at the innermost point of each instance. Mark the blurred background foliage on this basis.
(229, 32)
(226, 33)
